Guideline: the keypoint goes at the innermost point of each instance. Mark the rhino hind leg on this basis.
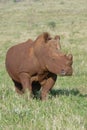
(26, 83)
(18, 87)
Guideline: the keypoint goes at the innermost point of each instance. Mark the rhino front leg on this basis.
(48, 86)
(25, 81)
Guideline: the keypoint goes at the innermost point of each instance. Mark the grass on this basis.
(66, 108)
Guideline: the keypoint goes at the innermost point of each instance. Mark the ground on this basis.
(66, 108)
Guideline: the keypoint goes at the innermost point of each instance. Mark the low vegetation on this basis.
(66, 108)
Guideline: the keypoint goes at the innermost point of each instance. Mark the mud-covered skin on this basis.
(36, 64)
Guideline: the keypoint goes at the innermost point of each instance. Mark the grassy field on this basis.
(66, 108)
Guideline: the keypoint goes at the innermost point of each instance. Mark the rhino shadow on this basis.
(66, 92)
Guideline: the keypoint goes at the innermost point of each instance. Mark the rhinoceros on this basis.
(34, 65)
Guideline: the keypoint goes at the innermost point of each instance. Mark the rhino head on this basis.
(49, 55)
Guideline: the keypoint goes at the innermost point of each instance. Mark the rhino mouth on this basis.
(66, 73)
(63, 72)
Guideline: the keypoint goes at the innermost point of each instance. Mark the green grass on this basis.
(66, 108)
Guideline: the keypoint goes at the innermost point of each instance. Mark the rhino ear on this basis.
(44, 37)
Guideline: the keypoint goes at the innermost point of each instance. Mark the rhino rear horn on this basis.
(57, 37)
(70, 56)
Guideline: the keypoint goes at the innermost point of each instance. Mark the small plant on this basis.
(62, 2)
(16, 0)
(52, 24)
